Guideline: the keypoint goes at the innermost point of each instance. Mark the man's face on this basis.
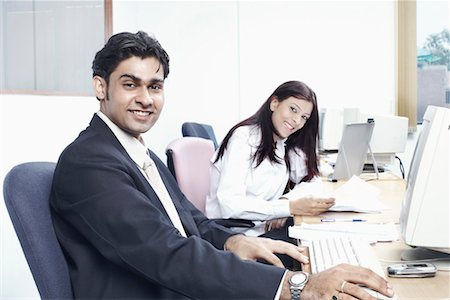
(134, 97)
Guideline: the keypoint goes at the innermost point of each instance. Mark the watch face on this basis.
(298, 278)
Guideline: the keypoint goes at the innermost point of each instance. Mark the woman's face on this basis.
(289, 115)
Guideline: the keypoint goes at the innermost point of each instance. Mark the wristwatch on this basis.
(296, 283)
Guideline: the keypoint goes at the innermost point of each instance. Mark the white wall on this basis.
(343, 50)
(226, 58)
(33, 128)
(202, 41)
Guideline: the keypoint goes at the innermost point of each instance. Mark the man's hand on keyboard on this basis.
(253, 248)
(310, 206)
(329, 284)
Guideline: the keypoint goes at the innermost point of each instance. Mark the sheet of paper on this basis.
(354, 195)
(370, 231)
(357, 195)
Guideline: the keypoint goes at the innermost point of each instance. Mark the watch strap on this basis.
(297, 287)
(295, 293)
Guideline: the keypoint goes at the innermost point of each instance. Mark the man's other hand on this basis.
(253, 248)
(340, 282)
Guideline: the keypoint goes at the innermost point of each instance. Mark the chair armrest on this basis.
(235, 223)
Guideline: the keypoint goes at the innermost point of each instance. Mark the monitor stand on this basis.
(440, 259)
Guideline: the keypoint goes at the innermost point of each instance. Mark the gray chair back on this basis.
(199, 130)
(26, 191)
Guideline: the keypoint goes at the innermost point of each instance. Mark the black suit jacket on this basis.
(120, 243)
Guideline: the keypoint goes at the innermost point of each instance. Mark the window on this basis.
(433, 55)
(47, 47)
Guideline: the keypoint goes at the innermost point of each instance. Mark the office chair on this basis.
(188, 158)
(26, 191)
(199, 130)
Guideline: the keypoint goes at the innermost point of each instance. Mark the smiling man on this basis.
(134, 96)
(128, 232)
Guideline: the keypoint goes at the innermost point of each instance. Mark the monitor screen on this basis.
(424, 217)
(352, 150)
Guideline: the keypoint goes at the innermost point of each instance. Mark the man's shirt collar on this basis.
(135, 148)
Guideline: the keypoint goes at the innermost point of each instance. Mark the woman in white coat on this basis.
(263, 157)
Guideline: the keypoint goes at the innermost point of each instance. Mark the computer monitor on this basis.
(389, 137)
(352, 150)
(331, 126)
(424, 217)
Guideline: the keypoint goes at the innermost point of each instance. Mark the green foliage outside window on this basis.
(436, 50)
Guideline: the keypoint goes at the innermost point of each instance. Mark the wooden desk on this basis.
(392, 193)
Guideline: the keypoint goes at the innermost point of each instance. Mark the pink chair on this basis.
(188, 158)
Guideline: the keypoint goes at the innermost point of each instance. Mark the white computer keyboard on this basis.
(327, 252)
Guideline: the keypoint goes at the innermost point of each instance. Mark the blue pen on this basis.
(342, 220)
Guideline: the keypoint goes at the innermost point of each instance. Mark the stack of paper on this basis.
(357, 195)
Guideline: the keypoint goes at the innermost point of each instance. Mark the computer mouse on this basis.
(378, 295)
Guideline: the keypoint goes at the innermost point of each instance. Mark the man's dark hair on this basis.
(124, 45)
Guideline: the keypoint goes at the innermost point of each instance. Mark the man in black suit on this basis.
(125, 237)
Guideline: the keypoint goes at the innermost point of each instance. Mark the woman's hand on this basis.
(310, 206)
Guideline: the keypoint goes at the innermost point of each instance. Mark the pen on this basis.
(342, 220)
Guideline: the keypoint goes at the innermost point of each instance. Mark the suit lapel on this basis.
(185, 216)
(97, 124)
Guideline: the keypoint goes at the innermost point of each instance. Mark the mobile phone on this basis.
(412, 270)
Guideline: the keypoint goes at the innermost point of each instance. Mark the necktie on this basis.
(158, 186)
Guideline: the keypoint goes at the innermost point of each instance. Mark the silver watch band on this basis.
(295, 293)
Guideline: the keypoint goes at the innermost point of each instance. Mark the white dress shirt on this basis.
(239, 190)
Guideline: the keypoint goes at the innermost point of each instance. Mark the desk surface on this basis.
(392, 193)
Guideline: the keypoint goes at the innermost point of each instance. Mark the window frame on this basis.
(406, 61)
(108, 29)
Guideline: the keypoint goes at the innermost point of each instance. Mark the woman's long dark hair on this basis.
(305, 139)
